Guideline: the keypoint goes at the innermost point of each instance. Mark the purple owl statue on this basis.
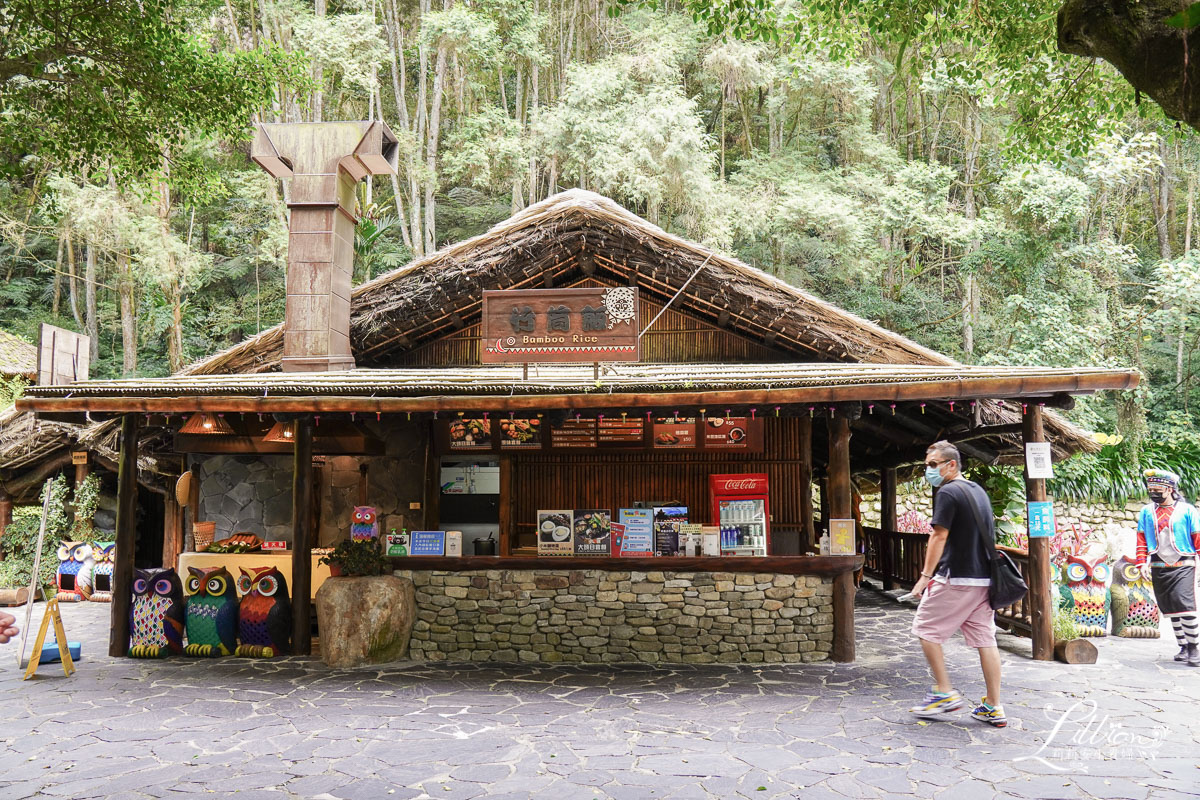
(365, 525)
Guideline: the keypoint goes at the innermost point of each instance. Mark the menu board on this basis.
(574, 433)
(621, 431)
(637, 540)
(592, 531)
(733, 433)
(518, 433)
(555, 533)
(427, 543)
(667, 522)
(674, 433)
(468, 434)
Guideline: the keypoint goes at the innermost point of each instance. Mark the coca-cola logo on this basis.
(743, 485)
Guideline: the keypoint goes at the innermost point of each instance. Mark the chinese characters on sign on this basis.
(1041, 519)
(560, 325)
(1038, 461)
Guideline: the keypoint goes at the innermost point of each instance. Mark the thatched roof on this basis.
(578, 233)
(17, 356)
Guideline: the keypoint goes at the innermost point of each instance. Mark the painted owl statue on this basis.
(1087, 577)
(1134, 609)
(212, 612)
(157, 616)
(364, 527)
(74, 575)
(265, 614)
(103, 554)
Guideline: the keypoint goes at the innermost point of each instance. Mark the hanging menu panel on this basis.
(733, 433)
(674, 433)
(575, 434)
(621, 432)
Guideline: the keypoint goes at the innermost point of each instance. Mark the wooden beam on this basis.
(210, 444)
(506, 505)
(302, 538)
(1038, 601)
(126, 546)
(172, 531)
(840, 507)
(887, 521)
(804, 486)
(932, 434)
(956, 388)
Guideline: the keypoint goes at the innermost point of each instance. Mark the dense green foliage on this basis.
(19, 542)
(937, 167)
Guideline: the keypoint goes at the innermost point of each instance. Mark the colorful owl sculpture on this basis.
(103, 554)
(1134, 609)
(365, 525)
(74, 575)
(212, 612)
(1086, 578)
(265, 614)
(157, 617)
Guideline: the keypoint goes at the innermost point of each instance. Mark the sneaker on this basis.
(992, 715)
(1182, 655)
(936, 703)
(1193, 655)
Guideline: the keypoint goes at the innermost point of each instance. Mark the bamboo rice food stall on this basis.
(632, 423)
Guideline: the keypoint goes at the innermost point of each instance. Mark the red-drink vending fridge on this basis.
(741, 510)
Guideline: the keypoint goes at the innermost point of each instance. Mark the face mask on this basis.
(1157, 497)
(934, 476)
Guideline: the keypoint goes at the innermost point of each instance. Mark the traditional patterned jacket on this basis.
(1185, 530)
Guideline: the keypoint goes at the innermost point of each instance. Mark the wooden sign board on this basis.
(523, 326)
(79, 457)
(63, 356)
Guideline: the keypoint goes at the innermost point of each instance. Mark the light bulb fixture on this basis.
(284, 432)
(204, 422)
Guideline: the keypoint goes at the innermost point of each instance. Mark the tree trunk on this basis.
(58, 262)
(128, 315)
(970, 305)
(431, 145)
(318, 100)
(1191, 213)
(89, 299)
(72, 284)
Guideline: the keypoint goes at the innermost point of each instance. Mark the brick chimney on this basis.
(325, 161)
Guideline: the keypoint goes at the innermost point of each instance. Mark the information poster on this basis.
(428, 543)
(575, 434)
(397, 544)
(621, 431)
(710, 540)
(1038, 462)
(616, 538)
(638, 539)
(667, 523)
(733, 433)
(518, 433)
(841, 537)
(555, 534)
(689, 539)
(1041, 519)
(674, 433)
(470, 435)
(592, 532)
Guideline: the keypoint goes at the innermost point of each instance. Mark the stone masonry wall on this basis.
(593, 616)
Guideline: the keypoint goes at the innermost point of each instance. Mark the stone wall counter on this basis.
(655, 611)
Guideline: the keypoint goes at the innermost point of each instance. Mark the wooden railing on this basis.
(896, 559)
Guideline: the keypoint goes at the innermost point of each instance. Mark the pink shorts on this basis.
(945, 609)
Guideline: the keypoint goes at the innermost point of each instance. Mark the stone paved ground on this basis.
(128, 729)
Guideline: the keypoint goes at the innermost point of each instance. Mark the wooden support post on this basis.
(1039, 552)
(81, 472)
(808, 533)
(887, 521)
(172, 531)
(122, 579)
(840, 507)
(6, 507)
(506, 533)
(302, 538)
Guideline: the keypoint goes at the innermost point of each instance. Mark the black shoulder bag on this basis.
(1007, 586)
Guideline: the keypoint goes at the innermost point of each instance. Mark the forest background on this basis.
(938, 168)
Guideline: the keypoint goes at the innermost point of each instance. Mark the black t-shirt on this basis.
(964, 556)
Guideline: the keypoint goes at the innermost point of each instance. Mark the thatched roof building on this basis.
(18, 358)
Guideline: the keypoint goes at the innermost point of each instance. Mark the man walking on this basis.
(953, 586)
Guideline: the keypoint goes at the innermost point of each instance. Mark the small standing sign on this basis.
(841, 537)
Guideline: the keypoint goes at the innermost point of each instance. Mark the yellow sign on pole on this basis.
(60, 637)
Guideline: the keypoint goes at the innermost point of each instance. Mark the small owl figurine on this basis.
(365, 525)
(1086, 579)
(1134, 609)
(157, 616)
(265, 615)
(212, 612)
(103, 553)
(74, 576)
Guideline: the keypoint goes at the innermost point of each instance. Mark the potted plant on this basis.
(356, 559)
(1069, 646)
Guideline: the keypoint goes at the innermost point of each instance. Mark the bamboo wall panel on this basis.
(616, 480)
(675, 338)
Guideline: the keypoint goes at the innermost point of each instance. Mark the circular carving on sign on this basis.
(618, 302)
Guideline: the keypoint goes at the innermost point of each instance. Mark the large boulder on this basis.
(365, 620)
